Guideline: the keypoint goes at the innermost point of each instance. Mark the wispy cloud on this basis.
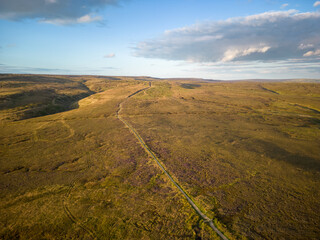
(18, 69)
(232, 54)
(68, 21)
(278, 69)
(316, 4)
(312, 53)
(54, 11)
(270, 36)
(306, 46)
(284, 5)
(11, 45)
(110, 55)
(51, 1)
(39, 70)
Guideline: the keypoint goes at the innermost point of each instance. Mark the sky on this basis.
(227, 40)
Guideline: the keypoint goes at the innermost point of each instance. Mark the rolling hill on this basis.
(245, 152)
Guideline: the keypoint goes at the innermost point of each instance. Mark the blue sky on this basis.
(236, 39)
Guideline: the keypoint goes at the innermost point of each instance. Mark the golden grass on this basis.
(250, 156)
(247, 152)
(81, 174)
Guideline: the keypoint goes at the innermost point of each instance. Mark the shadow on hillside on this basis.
(190, 86)
(39, 103)
(273, 151)
(28, 96)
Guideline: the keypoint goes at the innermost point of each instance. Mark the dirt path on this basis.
(56, 120)
(149, 151)
(71, 216)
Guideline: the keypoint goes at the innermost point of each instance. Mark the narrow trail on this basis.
(69, 214)
(62, 121)
(72, 217)
(205, 218)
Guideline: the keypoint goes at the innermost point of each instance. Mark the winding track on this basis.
(69, 214)
(149, 151)
(73, 218)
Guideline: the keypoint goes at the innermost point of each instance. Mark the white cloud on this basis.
(316, 4)
(269, 36)
(110, 55)
(284, 5)
(87, 19)
(51, 1)
(312, 53)
(54, 11)
(305, 46)
(232, 54)
(68, 21)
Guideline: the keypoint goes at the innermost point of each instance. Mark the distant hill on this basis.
(192, 79)
(303, 80)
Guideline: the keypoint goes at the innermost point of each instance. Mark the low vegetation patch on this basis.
(190, 86)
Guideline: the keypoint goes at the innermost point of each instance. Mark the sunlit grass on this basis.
(246, 152)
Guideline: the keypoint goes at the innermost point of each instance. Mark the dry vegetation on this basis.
(80, 174)
(247, 153)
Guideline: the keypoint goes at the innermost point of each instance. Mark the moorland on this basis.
(246, 152)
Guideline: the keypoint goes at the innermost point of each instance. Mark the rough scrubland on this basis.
(246, 152)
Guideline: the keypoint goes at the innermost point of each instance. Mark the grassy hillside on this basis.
(81, 174)
(246, 152)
